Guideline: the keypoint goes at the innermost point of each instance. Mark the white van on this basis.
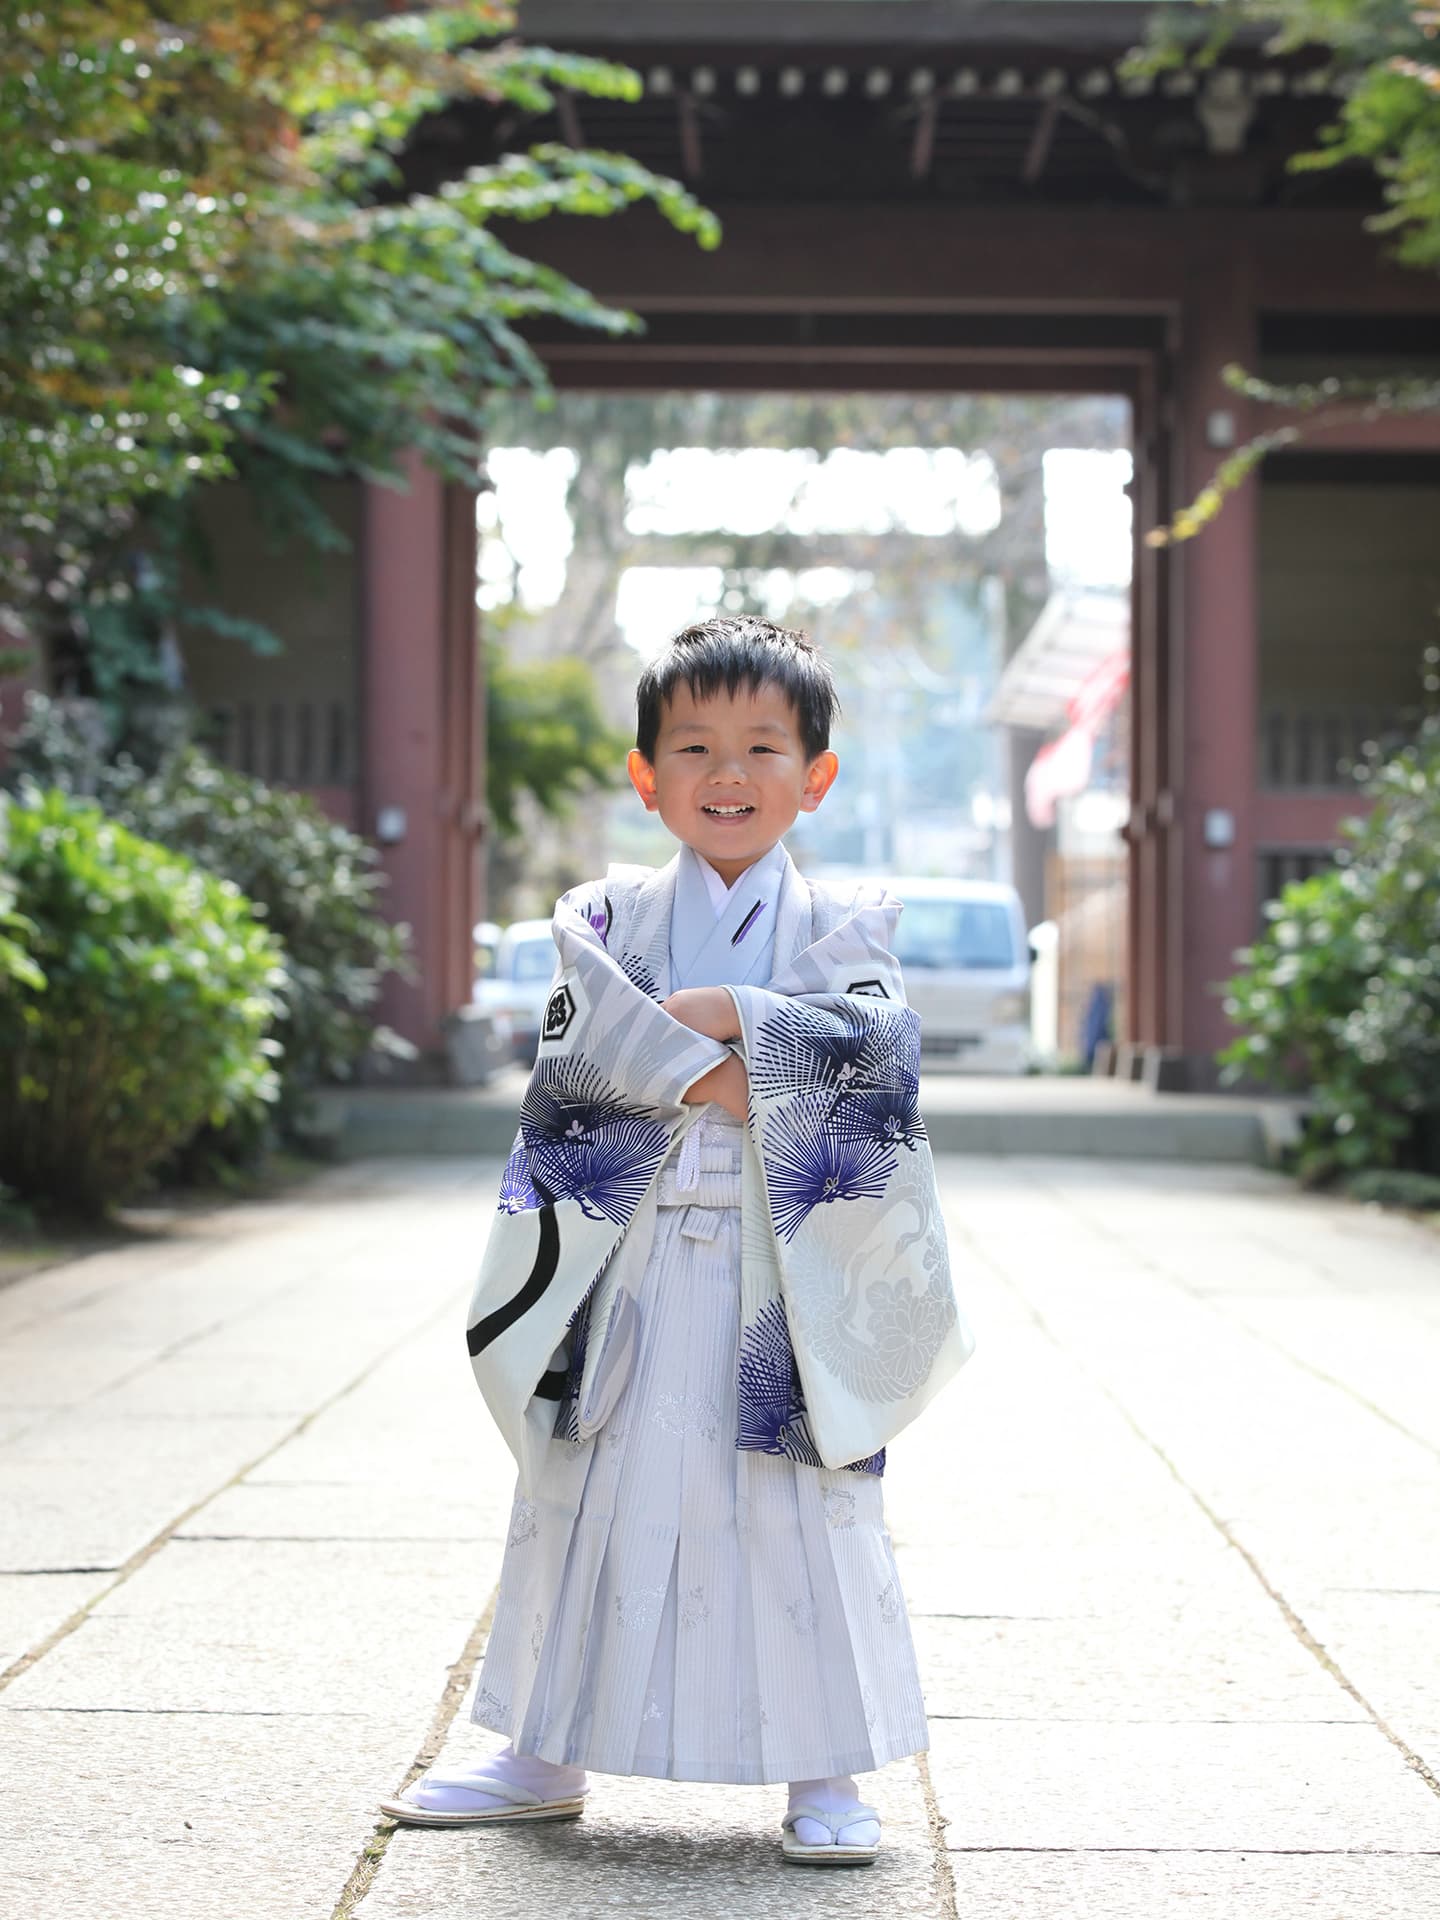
(966, 956)
(518, 984)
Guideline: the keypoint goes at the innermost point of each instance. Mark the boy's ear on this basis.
(642, 778)
(818, 781)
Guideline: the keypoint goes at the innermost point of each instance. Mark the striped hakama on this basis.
(671, 1605)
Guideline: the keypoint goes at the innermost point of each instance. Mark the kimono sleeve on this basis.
(605, 1101)
(596, 1011)
(833, 1056)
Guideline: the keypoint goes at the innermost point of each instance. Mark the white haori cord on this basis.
(687, 1163)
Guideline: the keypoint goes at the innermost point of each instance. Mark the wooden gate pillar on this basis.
(1219, 693)
(422, 738)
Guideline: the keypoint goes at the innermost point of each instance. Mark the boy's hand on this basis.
(727, 1085)
(707, 1010)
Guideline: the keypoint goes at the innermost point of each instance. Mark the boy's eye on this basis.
(694, 749)
(762, 749)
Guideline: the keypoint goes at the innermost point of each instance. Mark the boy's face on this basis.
(730, 774)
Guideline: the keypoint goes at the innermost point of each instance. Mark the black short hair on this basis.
(737, 651)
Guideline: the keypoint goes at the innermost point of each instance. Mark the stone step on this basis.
(1039, 1116)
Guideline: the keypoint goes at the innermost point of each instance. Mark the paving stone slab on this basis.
(1028, 1583)
(271, 1510)
(201, 1816)
(1376, 1347)
(1180, 1886)
(18, 1420)
(97, 1508)
(40, 1370)
(273, 1372)
(268, 1627)
(33, 1605)
(1239, 1788)
(1183, 1663)
(655, 1849)
(1309, 1542)
(1388, 1645)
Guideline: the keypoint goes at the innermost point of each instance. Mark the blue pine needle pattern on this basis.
(639, 975)
(585, 1144)
(517, 1189)
(800, 1049)
(811, 1161)
(770, 1399)
(567, 1416)
(854, 1074)
(773, 1417)
(890, 1115)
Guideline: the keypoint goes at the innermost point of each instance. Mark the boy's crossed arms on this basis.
(710, 1011)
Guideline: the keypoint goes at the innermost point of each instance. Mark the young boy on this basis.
(717, 1285)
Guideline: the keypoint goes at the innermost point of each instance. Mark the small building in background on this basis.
(1062, 701)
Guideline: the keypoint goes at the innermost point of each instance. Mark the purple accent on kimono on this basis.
(747, 922)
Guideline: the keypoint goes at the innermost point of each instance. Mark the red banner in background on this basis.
(1061, 769)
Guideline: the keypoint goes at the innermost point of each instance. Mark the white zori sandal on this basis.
(460, 1799)
(832, 1852)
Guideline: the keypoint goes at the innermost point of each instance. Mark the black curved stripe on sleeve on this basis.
(547, 1259)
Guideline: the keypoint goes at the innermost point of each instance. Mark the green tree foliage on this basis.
(211, 263)
(1383, 58)
(1342, 995)
(18, 967)
(546, 736)
(160, 985)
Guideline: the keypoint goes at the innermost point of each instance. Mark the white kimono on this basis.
(697, 1339)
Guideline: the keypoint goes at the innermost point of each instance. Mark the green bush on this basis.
(17, 964)
(1342, 995)
(1390, 1187)
(318, 884)
(160, 986)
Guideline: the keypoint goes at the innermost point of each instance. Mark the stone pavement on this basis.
(1171, 1547)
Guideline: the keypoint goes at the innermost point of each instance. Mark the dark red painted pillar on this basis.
(1220, 688)
(421, 743)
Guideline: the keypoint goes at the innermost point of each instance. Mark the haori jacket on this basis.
(849, 1324)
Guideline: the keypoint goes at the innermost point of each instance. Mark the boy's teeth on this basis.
(726, 810)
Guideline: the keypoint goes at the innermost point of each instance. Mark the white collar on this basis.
(717, 889)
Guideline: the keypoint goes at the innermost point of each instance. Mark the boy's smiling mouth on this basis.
(726, 810)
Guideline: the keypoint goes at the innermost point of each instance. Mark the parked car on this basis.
(518, 983)
(966, 957)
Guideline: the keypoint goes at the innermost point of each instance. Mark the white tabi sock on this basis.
(836, 1796)
(515, 1769)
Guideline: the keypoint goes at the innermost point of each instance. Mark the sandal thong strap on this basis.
(849, 1817)
(505, 1790)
